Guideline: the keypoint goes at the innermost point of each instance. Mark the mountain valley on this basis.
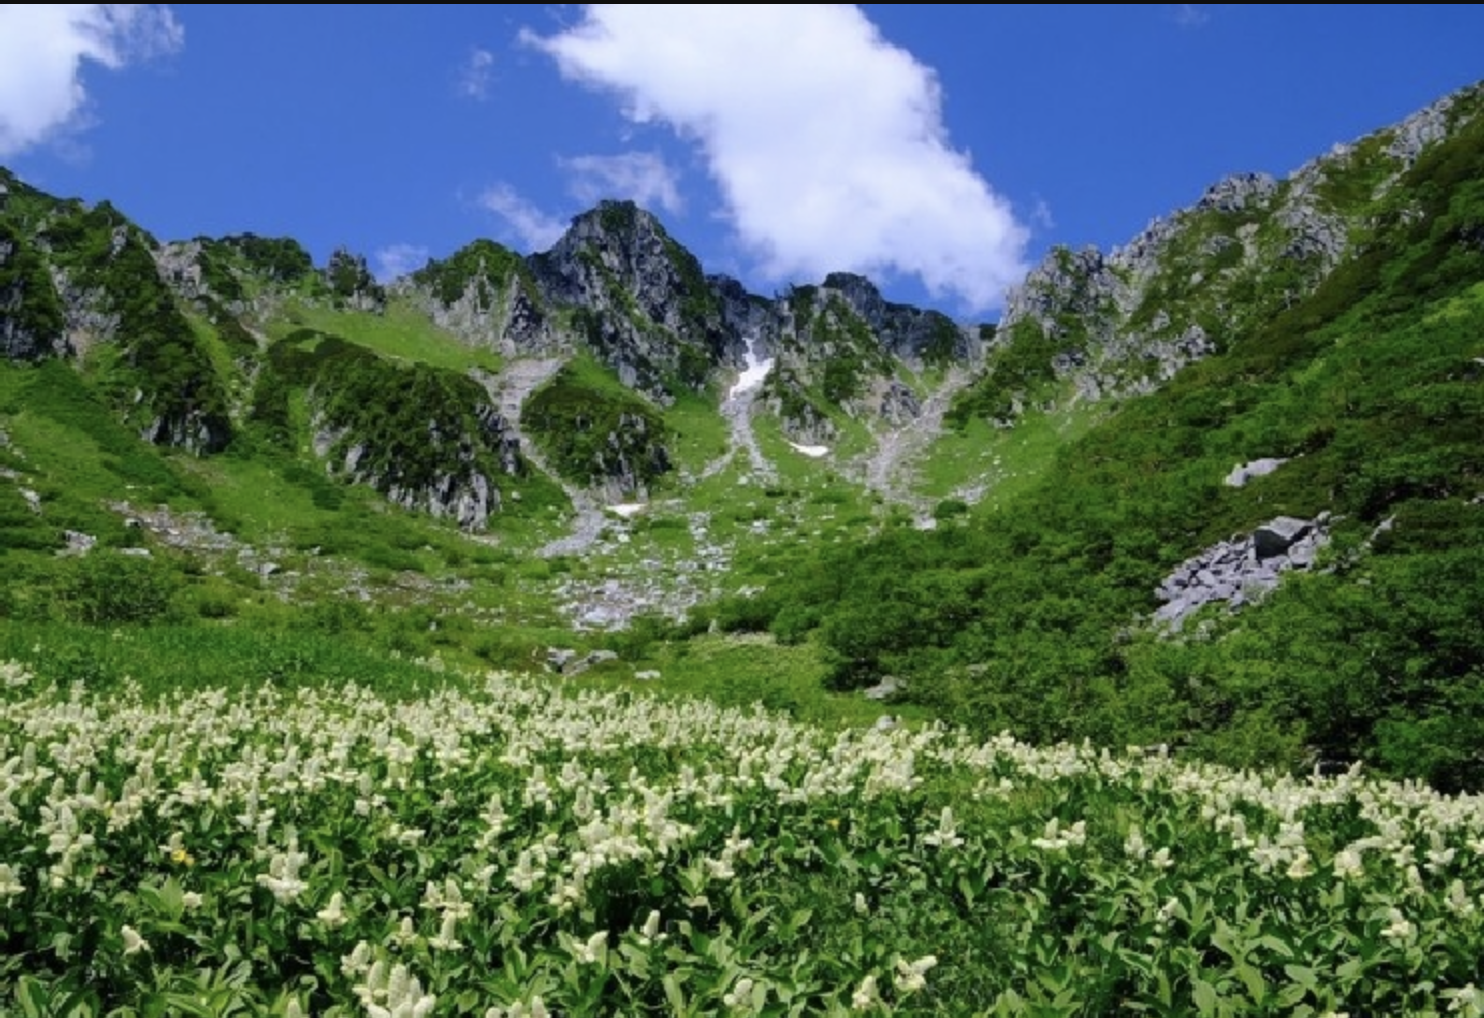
(600, 453)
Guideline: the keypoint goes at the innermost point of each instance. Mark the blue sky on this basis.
(939, 148)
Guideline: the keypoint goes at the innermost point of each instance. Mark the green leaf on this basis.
(1303, 975)
(33, 997)
(673, 994)
(1204, 995)
(1257, 987)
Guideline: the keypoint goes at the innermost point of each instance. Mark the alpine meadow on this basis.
(578, 633)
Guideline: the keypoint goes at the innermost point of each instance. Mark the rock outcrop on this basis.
(1125, 322)
(1241, 570)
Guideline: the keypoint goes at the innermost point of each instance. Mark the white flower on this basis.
(358, 961)
(404, 996)
(1400, 928)
(133, 942)
(1466, 1000)
(10, 885)
(1134, 846)
(333, 915)
(651, 931)
(740, 995)
(405, 933)
(591, 951)
(912, 976)
(191, 899)
(866, 995)
(946, 836)
(447, 938)
(1349, 864)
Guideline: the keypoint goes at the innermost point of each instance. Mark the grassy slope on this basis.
(1029, 619)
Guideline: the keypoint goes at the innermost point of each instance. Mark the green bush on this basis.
(108, 588)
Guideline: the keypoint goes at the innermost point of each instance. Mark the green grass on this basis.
(1005, 462)
(739, 670)
(700, 432)
(402, 333)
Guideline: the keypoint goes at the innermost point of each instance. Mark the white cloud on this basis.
(42, 49)
(827, 141)
(643, 177)
(1041, 214)
(474, 77)
(397, 260)
(535, 230)
(1190, 15)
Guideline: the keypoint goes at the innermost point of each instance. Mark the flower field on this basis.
(501, 847)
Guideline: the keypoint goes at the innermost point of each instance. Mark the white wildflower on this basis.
(133, 942)
(358, 962)
(651, 931)
(333, 915)
(447, 938)
(912, 976)
(1400, 928)
(1349, 864)
(740, 995)
(1465, 1000)
(592, 951)
(405, 934)
(946, 836)
(1301, 866)
(866, 995)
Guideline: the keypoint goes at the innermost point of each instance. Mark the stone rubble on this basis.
(1241, 570)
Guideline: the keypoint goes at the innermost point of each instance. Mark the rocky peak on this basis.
(647, 308)
(485, 294)
(1238, 192)
(1127, 321)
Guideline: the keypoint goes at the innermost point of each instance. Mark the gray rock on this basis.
(1239, 571)
(1277, 535)
(78, 543)
(1244, 472)
(889, 686)
(558, 658)
(648, 675)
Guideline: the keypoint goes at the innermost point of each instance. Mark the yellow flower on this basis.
(181, 857)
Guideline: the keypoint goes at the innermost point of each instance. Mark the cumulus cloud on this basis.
(827, 142)
(644, 177)
(396, 260)
(474, 76)
(533, 229)
(42, 50)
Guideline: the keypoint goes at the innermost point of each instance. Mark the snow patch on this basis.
(626, 509)
(753, 371)
(814, 451)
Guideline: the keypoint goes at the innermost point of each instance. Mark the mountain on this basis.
(1218, 487)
